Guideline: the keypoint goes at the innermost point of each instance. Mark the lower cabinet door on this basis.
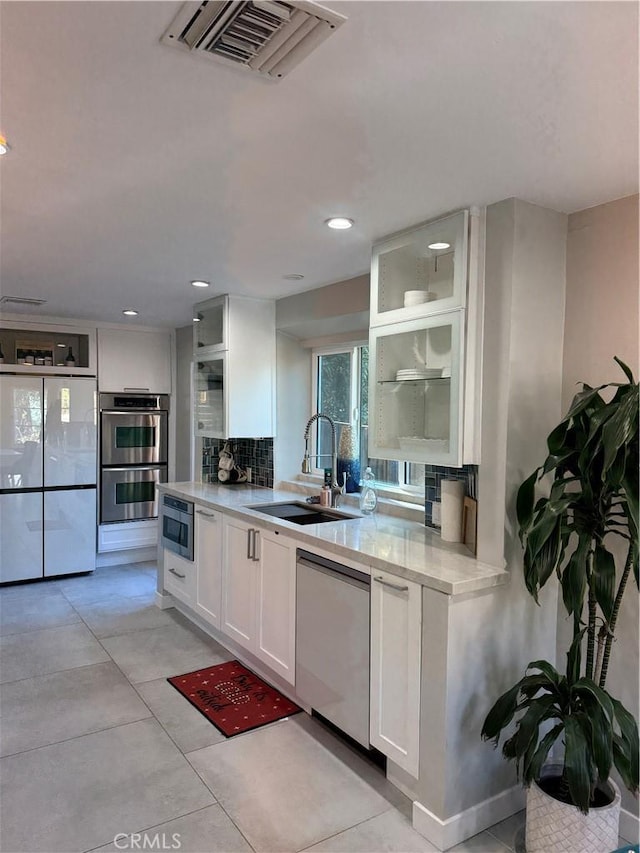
(396, 640)
(70, 528)
(179, 577)
(208, 555)
(276, 637)
(20, 536)
(239, 583)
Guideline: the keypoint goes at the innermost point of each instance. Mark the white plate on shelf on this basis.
(415, 373)
(435, 445)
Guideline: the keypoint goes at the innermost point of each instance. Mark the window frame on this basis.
(400, 490)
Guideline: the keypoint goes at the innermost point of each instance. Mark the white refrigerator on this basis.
(48, 475)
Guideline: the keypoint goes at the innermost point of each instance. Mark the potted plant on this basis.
(592, 498)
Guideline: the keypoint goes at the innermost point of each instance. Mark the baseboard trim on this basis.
(629, 826)
(131, 555)
(447, 833)
(164, 600)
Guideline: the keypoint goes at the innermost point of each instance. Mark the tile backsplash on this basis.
(433, 477)
(256, 453)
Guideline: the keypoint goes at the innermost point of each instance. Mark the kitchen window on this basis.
(340, 389)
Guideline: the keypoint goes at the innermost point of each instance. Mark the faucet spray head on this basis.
(306, 466)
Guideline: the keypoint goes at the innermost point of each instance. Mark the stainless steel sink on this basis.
(302, 513)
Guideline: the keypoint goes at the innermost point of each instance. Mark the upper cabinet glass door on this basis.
(415, 390)
(209, 397)
(210, 326)
(421, 271)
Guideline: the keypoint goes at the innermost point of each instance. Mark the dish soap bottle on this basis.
(368, 497)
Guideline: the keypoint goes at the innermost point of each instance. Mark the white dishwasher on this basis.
(332, 642)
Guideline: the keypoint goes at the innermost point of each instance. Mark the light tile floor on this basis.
(96, 746)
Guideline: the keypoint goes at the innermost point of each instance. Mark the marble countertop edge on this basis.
(399, 546)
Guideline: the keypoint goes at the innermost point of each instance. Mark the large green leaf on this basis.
(577, 764)
(599, 732)
(533, 769)
(574, 658)
(589, 397)
(548, 669)
(500, 714)
(629, 732)
(591, 694)
(625, 368)
(574, 577)
(524, 502)
(529, 724)
(556, 440)
(619, 428)
(604, 580)
(622, 762)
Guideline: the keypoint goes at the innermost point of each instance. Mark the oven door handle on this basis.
(153, 467)
(154, 413)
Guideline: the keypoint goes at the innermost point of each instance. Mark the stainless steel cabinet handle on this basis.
(256, 546)
(206, 514)
(249, 554)
(136, 389)
(177, 574)
(395, 586)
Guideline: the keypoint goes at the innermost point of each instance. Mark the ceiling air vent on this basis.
(265, 36)
(21, 300)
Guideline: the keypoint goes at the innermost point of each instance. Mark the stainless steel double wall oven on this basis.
(133, 455)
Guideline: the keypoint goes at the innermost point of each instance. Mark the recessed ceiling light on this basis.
(439, 245)
(293, 276)
(4, 145)
(200, 283)
(130, 312)
(339, 222)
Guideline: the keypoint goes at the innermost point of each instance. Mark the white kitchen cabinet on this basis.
(69, 517)
(51, 343)
(20, 536)
(396, 637)
(208, 558)
(134, 360)
(416, 390)
(234, 368)
(276, 603)
(180, 577)
(420, 271)
(425, 343)
(239, 583)
(258, 594)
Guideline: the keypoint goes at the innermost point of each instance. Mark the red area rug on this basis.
(233, 698)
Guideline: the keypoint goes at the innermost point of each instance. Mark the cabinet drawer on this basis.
(179, 577)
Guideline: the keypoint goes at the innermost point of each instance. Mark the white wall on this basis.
(602, 321)
(293, 381)
(181, 402)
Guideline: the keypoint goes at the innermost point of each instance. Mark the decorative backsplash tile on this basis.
(256, 453)
(434, 475)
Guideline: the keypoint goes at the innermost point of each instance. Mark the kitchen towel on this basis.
(452, 497)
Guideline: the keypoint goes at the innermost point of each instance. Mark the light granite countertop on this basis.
(404, 548)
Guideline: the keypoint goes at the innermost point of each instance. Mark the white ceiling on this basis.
(136, 167)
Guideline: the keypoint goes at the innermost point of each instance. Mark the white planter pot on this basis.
(555, 827)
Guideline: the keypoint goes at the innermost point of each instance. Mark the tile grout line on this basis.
(182, 754)
(348, 828)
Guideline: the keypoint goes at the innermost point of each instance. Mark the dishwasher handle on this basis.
(329, 567)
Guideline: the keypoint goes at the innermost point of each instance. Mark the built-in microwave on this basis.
(177, 526)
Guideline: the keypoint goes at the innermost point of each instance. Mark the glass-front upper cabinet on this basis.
(210, 326)
(415, 390)
(209, 399)
(421, 271)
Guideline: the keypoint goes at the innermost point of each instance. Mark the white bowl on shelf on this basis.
(418, 297)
